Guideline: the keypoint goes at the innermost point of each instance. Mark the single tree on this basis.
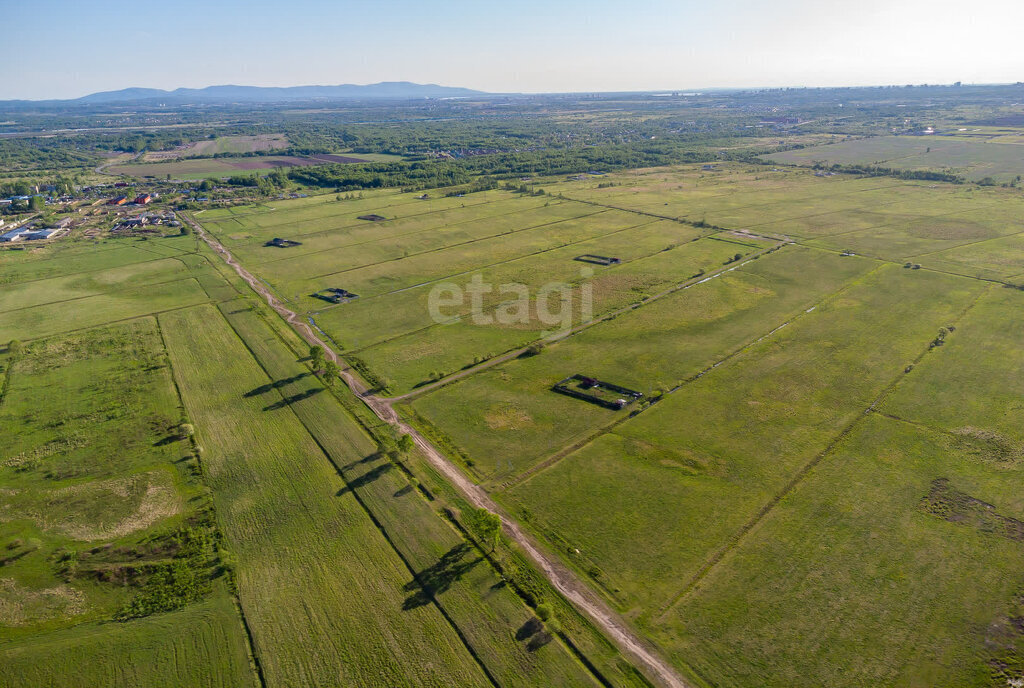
(406, 444)
(331, 370)
(316, 355)
(14, 347)
(487, 525)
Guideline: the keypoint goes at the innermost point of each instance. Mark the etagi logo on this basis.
(554, 304)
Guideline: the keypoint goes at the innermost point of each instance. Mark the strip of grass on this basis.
(320, 586)
(972, 384)
(487, 613)
(50, 319)
(101, 498)
(202, 645)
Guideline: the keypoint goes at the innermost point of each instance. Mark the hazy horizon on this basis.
(574, 47)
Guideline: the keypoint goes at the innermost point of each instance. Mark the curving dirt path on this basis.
(563, 579)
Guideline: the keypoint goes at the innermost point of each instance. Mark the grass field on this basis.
(317, 613)
(222, 145)
(819, 486)
(96, 489)
(202, 645)
(1000, 157)
(464, 585)
(713, 452)
(508, 419)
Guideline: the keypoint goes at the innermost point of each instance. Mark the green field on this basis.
(466, 588)
(98, 492)
(344, 573)
(317, 613)
(1000, 158)
(820, 484)
(762, 376)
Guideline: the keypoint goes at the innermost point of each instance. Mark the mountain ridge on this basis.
(268, 94)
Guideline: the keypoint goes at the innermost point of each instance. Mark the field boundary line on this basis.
(490, 265)
(485, 266)
(757, 205)
(969, 243)
(393, 236)
(559, 336)
(441, 248)
(737, 538)
(5, 384)
(411, 201)
(576, 446)
(107, 323)
(565, 581)
(108, 293)
(89, 272)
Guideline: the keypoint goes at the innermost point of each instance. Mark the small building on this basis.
(336, 295)
(598, 260)
(143, 199)
(11, 235)
(29, 233)
(120, 200)
(282, 243)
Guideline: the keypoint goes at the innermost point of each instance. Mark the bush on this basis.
(544, 612)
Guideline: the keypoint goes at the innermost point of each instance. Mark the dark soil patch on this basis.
(946, 502)
(336, 158)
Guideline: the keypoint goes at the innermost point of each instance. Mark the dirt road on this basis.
(563, 579)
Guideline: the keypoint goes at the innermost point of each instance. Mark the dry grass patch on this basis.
(100, 509)
(20, 606)
(507, 417)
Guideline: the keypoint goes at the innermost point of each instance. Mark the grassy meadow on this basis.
(105, 517)
(999, 157)
(819, 486)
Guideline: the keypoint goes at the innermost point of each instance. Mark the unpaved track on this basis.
(563, 579)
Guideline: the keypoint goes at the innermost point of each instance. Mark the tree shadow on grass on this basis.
(437, 578)
(293, 399)
(366, 478)
(534, 633)
(403, 491)
(276, 384)
(170, 439)
(366, 459)
(539, 640)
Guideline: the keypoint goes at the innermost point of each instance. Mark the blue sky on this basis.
(63, 49)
